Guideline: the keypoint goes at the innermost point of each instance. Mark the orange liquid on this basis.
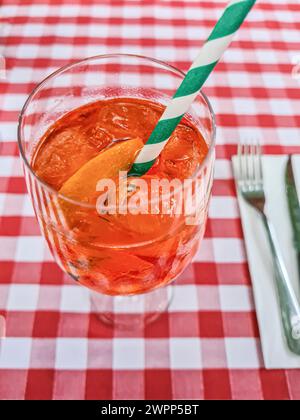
(119, 254)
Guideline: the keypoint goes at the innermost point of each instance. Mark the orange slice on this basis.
(82, 185)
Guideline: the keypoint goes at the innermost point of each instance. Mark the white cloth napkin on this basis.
(275, 351)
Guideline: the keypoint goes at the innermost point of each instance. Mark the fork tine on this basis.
(260, 168)
(256, 151)
(253, 161)
(248, 163)
(257, 164)
(240, 163)
(245, 160)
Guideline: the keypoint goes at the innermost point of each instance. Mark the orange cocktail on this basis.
(101, 248)
(92, 129)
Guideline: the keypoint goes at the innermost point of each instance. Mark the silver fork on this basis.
(251, 187)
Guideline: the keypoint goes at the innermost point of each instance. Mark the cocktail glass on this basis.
(129, 282)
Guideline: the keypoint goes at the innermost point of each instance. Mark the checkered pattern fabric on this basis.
(207, 345)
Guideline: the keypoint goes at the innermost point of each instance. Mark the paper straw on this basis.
(211, 52)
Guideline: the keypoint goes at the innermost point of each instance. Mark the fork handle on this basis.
(290, 309)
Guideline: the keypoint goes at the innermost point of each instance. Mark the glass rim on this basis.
(69, 66)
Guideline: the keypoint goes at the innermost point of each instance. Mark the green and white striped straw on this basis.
(211, 52)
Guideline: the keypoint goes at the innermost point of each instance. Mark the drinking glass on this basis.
(129, 282)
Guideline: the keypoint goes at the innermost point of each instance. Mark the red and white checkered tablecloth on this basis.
(207, 345)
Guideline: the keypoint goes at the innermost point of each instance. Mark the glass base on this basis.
(131, 312)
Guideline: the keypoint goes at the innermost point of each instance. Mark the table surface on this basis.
(207, 345)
